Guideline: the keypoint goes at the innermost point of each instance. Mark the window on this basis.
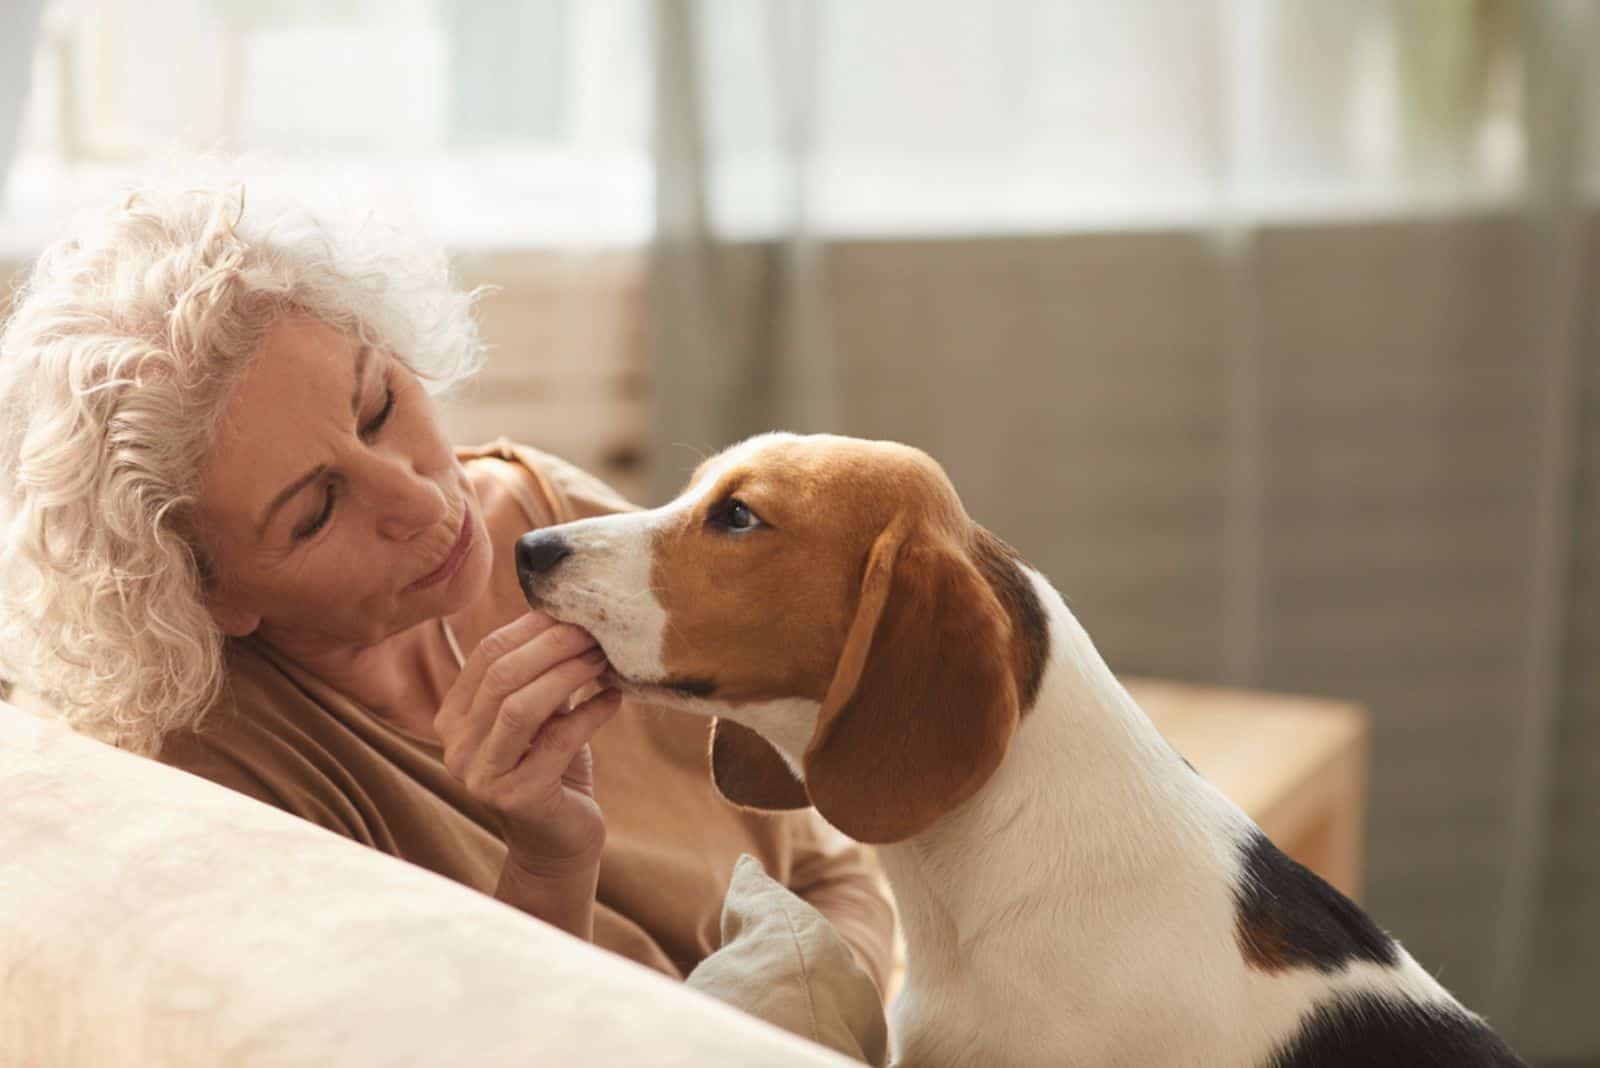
(946, 116)
(499, 122)
(529, 122)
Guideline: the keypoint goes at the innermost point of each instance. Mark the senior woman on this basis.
(236, 539)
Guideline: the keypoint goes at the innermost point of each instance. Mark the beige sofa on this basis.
(148, 917)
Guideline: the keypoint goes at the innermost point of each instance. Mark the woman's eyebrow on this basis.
(361, 372)
(285, 494)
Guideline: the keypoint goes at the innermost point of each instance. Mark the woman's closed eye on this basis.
(371, 429)
(322, 518)
(368, 432)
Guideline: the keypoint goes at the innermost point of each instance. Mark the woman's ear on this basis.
(748, 771)
(926, 701)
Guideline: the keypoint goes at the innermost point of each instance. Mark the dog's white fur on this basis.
(1079, 909)
(1096, 858)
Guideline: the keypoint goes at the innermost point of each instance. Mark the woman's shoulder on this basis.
(550, 489)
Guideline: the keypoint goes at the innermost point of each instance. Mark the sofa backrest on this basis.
(149, 917)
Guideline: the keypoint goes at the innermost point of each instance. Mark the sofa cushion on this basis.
(782, 961)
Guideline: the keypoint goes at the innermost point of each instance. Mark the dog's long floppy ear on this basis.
(923, 702)
(748, 771)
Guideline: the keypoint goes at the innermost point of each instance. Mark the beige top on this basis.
(284, 737)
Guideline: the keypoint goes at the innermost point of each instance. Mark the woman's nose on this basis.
(407, 500)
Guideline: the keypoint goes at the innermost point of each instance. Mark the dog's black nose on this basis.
(538, 552)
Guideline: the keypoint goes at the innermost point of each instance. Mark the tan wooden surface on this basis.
(1296, 765)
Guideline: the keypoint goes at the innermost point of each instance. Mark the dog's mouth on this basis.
(656, 689)
(612, 677)
(680, 687)
(616, 680)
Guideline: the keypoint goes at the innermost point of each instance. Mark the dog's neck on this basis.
(1090, 816)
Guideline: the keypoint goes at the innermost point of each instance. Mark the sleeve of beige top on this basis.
(842, 880)
(572, 492)
(236, 752)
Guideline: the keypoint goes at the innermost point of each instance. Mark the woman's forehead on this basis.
(301, 386)
(300, 355)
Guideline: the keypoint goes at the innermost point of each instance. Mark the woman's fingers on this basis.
(565, 736)
(519, 654)
(526, 715)
(498, 644)
(508, 736)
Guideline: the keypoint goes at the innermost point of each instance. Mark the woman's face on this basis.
(332, 498)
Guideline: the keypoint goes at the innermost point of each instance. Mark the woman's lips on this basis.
(452, 562)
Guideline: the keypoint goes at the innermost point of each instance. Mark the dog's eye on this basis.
(734, 514)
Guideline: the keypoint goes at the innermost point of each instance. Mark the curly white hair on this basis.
(115, 367)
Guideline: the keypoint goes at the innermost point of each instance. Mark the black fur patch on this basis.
(1287, 917)
(1376, 1033)
(1001, 567)
(690, 687)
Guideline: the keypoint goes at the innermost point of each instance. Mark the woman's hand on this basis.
(508, 736)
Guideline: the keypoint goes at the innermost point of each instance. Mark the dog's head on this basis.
(864, 646)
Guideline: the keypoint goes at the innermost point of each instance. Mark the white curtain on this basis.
(1265, 327)
(19, 24)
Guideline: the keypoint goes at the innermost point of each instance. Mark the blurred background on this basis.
(1266, 328)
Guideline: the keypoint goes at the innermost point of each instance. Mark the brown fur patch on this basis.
(935, 706)
(749, 772)
(763, 614)
(766, 613)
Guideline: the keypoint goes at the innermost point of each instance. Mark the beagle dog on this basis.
(1073, 892)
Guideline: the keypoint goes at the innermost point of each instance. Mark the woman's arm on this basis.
(562, 898)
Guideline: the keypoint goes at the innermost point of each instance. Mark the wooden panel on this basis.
(1564, 980)
(1400, 430)
(567, 367)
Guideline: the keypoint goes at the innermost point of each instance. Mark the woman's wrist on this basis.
(559, 892)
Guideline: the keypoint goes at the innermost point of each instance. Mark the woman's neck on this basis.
(401, 680)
